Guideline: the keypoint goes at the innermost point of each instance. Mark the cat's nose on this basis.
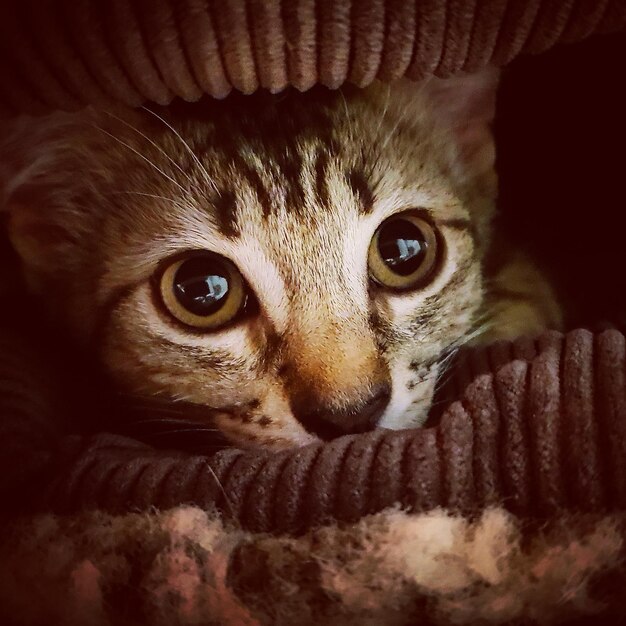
(328, 423)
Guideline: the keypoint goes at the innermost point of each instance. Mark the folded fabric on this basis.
(61, 55)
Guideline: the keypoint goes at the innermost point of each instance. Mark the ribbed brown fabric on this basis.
(66, 53)
(541, 426)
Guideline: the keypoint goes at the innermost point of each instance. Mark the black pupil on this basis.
(201, 285)
(402, 246)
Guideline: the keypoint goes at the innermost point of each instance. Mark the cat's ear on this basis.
(41, 243)
(31, 194)
(466, 105)
(462, 107)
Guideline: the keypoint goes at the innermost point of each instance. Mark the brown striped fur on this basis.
(291, 188)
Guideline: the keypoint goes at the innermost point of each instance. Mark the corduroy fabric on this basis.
(539, 427)
(63, 54)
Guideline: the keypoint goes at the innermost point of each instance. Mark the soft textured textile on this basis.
(65, 53)
(184, 567)
(538, 425)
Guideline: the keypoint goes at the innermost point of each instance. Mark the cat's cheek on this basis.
(273, 432)
(411, 398)
(265, 423)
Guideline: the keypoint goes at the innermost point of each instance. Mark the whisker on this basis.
(201, 412)
(439, 403)
(399, 121)
(153, 143)
(479, 327)
(226, 498)
(159, 419)
(146, 159)
(178, 431)
(161, 426)
(147, 413)
(174, 407)
(193, 155)
(384, 113)
(446, 361)
(347, 112)
(444, 377)
(154, 196)
(204, 447)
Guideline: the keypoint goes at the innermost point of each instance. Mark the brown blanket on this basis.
(538, 426)
(63, 54)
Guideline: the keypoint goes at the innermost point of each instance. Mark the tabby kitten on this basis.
(302, 264)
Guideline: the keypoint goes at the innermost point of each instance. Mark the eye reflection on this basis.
(403, 252)
(203, 290)
(399, 251)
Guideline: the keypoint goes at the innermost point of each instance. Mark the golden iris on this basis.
(403, 252)
(204, 291)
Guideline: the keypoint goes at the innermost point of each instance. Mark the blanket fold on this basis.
(61, 54)
(538, 427)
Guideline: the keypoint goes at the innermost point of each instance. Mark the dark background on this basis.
(561, 135)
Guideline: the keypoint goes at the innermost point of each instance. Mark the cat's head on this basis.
(301, 263)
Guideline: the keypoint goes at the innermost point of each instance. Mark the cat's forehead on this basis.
(299, 157)
(307, 177)
(263, 119)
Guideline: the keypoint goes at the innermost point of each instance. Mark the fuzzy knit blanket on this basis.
(183, 566)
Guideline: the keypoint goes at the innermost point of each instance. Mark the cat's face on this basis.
(302, 264)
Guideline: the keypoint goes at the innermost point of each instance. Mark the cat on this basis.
(303, 264)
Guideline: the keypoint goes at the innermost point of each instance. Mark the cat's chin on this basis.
(410, 408)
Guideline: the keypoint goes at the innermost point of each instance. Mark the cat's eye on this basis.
(203, 290)
(403, 253)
